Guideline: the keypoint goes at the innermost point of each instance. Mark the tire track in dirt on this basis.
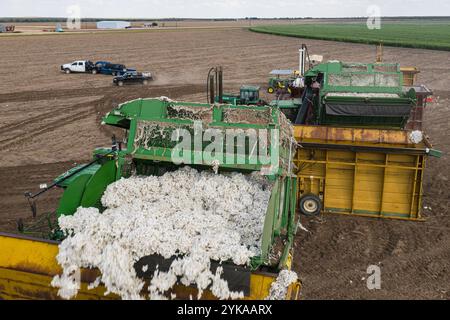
(59, 121)
(130, 91)
(32, 120)
(64, 117)
(52, 94)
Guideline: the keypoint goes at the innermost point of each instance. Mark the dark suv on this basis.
(115, 69)
(133, 77)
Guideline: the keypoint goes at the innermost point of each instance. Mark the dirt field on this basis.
(50, 121)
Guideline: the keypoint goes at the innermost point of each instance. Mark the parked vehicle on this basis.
(82, 66)
(133, 77)
(115, 69)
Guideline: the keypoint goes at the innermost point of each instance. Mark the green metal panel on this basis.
(267, 236)
(160, 119)
(352, 73)
(97, 185)
(71, 199)
(372, 86)
(89, 171)
(286, 104)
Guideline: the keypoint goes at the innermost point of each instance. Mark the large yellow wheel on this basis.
(270, 90)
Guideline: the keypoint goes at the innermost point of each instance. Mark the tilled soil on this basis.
(51, 121)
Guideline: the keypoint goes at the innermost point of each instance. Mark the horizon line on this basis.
(219, 18)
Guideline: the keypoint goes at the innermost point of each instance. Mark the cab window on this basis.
(249, 95)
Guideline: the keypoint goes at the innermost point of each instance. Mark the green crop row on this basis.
(434, 36)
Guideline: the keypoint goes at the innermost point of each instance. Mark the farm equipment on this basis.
(82, 66)
(378, 95)
(7, 28)
(27, 265)
(361, 171)
(133, 77)
(248, 94)
(291, 82)
(363, 152)
(362, 149)
(281, 80)
(354, 94)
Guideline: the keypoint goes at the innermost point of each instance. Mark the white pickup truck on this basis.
(82, 66)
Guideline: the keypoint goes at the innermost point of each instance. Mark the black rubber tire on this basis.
(270, 90)
(310, 205)
(145, 82)
(20, 225)
(67, 71)
(120, 83)
(94, 71)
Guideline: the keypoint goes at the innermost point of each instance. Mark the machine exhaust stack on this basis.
(215, 84)
(302, 59)
(211, 88)
(220, 85)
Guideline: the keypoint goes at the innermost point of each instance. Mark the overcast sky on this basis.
(221, 8)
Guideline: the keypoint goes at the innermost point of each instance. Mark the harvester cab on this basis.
(248, 95)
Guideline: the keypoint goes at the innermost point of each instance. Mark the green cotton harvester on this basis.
(355, 95)
(150, 126)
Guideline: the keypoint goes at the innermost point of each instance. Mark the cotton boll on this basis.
(279, 287)
(162, 282)
(220, 287)
(197, 216)
(416, 136)
(94, 284)
(68, 282)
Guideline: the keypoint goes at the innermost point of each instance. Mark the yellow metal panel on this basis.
(15, 284)
(29, 255)
(409, 75)
(367, 205)
(363, 183)
(27, 267)
(358, 136)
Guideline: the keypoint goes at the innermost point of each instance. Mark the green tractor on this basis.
(248, 95)
(281, 81)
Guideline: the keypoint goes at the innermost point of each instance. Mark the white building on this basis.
(113, 24)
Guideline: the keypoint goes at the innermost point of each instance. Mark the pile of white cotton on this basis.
(195, 216)
(279, 287)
